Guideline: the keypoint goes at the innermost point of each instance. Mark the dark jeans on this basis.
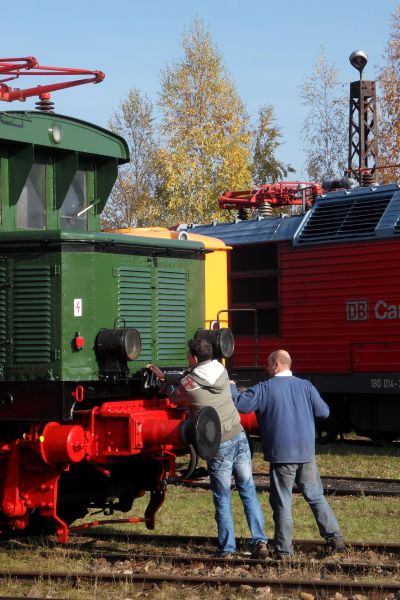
(307, 478)
(234, 457)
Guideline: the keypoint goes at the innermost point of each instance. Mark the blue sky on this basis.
(268, 47)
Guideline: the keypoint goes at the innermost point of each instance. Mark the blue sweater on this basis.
(286, 407)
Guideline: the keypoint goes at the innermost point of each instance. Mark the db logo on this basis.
(357, 310)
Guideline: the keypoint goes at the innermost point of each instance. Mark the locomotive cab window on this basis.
(73, 214)
(264, 322)
(256, 257)
(31, 204)
(254, 290)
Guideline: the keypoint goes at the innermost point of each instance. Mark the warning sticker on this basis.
(77, 307)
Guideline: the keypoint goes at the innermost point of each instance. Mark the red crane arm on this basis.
(25, 66)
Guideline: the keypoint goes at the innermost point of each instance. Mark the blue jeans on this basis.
(233, 457)
(306, 476)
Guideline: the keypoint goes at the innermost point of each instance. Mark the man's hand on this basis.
(157, 371)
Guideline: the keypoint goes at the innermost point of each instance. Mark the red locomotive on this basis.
(325, 286)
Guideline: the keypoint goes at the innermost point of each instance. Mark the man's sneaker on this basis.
(336, 543)
(260, 550)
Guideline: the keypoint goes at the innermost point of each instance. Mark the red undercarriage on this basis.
(100, 439)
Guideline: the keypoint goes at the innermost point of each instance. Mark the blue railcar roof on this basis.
(342, 216)
(351, 215)
(252, 231)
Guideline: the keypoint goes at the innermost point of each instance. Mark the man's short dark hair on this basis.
(201, 349)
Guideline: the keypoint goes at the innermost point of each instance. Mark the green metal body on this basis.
(58, 285)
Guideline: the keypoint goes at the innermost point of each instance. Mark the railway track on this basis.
(199, 541)
(281, 584)
(340, 486)
(326, 566)
(360, 443)
(186, 561)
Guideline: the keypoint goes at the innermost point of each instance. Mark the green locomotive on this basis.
(72, 298)
(82, 313)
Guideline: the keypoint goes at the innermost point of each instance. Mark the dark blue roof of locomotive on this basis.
(346, 215)
(351, 215)
(252, 231)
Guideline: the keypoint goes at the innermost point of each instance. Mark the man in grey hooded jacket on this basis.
(207, 384)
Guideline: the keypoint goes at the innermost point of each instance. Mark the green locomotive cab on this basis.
(56, 172)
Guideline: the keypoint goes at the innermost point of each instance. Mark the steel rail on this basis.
(360, 442)
(112, 554)
(325, 566)
(344, 586)
(299, 545)
(340, 486)
(198, 540)
(395, 480)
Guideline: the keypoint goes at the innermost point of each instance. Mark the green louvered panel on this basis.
(171, 315)
(31, 301)
(3, 314)
(134, 305)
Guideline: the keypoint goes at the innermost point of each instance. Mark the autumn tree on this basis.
(266, 168)
(325, 129)
(132, 201)
(389, 103)
(205, 130)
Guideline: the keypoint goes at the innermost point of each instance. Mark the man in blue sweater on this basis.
(286, 407)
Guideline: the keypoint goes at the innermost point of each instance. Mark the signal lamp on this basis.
(125, 342)
(221, 340)
(114, 347)
(358, 59)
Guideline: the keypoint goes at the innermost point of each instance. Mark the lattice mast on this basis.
(363, 146)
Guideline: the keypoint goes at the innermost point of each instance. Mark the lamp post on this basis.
(363, 152)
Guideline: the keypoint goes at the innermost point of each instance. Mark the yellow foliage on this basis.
(206, 132)
(389, 118)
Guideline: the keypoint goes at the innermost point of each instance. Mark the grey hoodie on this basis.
(207, 384)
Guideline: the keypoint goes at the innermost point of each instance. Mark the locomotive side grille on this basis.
(344, 219)
(171, 314)
(134, 304)
(3, 314)
(31, 324)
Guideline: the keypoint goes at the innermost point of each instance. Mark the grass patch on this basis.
(339, 459)
(363, 518)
